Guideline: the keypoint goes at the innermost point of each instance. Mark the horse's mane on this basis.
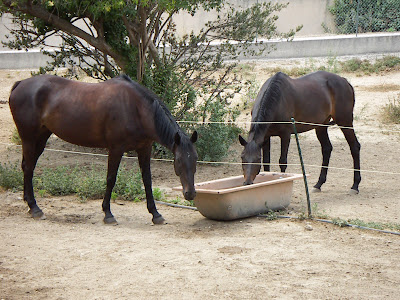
(164, 122)
(268, 102)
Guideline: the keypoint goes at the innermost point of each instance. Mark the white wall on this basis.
(309, 13)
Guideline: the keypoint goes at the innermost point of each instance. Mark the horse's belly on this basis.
(81, 139)
(76, 132)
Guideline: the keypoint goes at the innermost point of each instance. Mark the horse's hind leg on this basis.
(114, 159)
(355, 153)
(326, 147)
(31, 150)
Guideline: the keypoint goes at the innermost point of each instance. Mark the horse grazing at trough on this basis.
(317, 98)
(118, 114)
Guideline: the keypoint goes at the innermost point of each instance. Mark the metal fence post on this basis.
(302, 168)
(357, 16)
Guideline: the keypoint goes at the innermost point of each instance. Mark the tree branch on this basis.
(66, 26)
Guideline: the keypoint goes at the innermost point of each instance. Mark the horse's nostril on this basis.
(189, 195)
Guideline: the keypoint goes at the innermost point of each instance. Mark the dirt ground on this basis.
(73, 255)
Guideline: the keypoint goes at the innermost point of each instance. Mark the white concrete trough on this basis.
(228, 199)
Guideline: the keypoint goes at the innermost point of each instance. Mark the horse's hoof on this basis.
(159, 220)
(315, 190)
(110, 221)
(37, 214)
(353, 192)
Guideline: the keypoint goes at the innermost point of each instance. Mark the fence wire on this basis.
(237, 162)
(359, 16)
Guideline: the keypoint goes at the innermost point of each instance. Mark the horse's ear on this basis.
(193, 138)
(242, 141)
(177, 139)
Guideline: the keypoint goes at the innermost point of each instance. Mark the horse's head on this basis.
(185, 159)
(251, 160)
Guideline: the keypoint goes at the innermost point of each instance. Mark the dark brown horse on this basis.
(118, 114)
(318, 98)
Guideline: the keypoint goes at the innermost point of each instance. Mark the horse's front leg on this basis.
(266, 149)
(285, 141)
(114, 159)
(144, 163)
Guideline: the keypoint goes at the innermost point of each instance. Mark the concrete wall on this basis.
(309, 13)
(329, 46)
(332, 46)
(308, 43)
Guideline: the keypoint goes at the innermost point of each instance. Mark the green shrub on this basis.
(15, 138)
(59, 181)
(129, 185)
(387, 63)
(352, 65)
(158, 194)
(11, 177)
(88, 183)
(391, 111)
(216, 137)
(373, 15)
(91, 184)
(215, 140)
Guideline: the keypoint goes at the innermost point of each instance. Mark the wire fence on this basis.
(386, 175)
(359, 16)
(239, 162)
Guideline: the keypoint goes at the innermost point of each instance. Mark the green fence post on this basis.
(302, 168)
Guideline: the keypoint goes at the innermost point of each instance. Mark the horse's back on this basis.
(87, 114)
(314, 98)
(334, 83)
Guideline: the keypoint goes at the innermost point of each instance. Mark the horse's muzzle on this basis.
(189, 195)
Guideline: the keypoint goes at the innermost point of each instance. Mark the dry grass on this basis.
(382, 88)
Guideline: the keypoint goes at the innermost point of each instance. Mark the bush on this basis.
(129, 185)
(385, 63)
(15, 138)
(214, 137)
(391, 111)
(91, 184)
(11, 177)
(58, 182)
(373, 15)
(87, 184)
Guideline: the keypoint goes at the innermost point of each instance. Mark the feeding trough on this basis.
(229, 199)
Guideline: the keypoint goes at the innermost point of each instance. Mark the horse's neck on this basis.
(167, 138)
(259, 128)
(258, 133)
(166, 134)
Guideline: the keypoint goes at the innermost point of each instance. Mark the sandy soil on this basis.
(73, 255)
